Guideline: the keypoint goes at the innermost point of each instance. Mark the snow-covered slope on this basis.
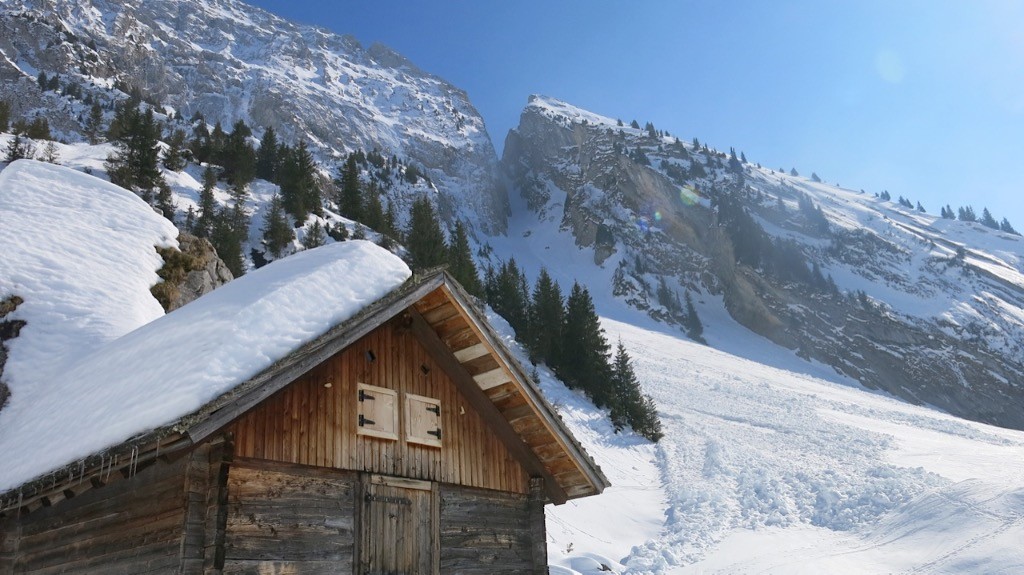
(766, 470)
(926, 308)
(230, 61)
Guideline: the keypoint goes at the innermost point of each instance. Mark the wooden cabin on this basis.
(406, 440)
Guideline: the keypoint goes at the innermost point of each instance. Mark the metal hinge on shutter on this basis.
(435, 409)
(436, 433)
(363, 396)
(363, 422)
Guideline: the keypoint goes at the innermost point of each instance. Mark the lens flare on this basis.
(689, 195)
(657, 216)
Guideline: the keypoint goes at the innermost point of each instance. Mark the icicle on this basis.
(81, 472)
(134, 462)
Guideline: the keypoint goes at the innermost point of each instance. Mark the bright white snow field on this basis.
(764, 470)
(97, 361)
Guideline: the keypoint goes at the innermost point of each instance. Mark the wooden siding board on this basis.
(471, 453)
(135, 525)
(289, 515)
(484, 531)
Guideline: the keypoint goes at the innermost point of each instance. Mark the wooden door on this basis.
(398, 527)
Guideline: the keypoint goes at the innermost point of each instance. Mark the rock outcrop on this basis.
(189, 272)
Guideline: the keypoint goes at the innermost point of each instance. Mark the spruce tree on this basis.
(508, 295)
(173, 156)
(1006, 227)
(350, 197)
(5, 115)
(314, 237)
(987, 220)
(629, 405)
(547, 314)
(237, 156)
(277, 234)
(373, 211)
(94, 124)
(584, 358)
(694, 327)
(460, 261)
(136, 162)
(424, 239)
(207, 205)
(299, 188)
(231, 227)
(267, 159)
(19, 148)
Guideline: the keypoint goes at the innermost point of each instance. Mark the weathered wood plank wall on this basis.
(314, 420)
(485, 532)
(132, 526)
(289, 519)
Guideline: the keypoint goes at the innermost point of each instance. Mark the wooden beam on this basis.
(470, 353)
(492, 378)
(429, 339)
(544, 409)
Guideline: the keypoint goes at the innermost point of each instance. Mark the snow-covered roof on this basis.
(95, 364)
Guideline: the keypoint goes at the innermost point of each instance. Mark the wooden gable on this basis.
(315, 420)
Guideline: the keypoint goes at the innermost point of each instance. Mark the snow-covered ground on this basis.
(764, 470)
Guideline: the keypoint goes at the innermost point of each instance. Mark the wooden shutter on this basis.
(422, 420)
(377, 412)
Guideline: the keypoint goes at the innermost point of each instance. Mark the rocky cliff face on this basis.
(928, 309)
(230, 61)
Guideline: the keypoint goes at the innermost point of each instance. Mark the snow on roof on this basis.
(68, 402)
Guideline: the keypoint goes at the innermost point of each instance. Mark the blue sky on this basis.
(924, 99)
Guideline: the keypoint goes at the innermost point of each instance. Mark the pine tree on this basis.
(173, 156)
(373, 211)
(94, 124)
(350, 197)
(136, 162)
(966, 214)
(424, 239)
(299, 189)
(267, 160)
(50, 153)
(987, 220)
(19, 148)
(237, 155)
(547, 314)
(460, 261)
(1006, 227)
(231, 227)
(629, 404)
(39, 129)
(694, 327)
(5, 115)
(207, 205)
(277, 234)
(584, 358)
(507, 293)
(164, 200)
(314, 237)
